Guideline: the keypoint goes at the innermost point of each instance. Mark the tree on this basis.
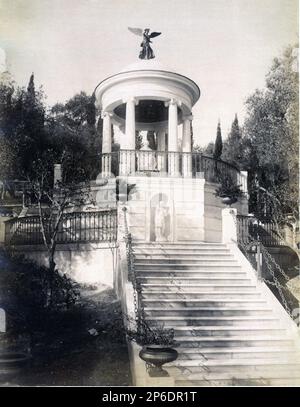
(8, 143)
(233, 145)
(73, 127)
(218, 143)
(208, 149)
(22, 117)
(52, 201)
(31, 134)
(271, 131)
(27, 129)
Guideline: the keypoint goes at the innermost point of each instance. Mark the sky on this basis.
(225, 46)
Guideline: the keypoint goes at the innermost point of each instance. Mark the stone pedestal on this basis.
(229, 226)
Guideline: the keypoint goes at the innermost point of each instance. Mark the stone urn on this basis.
(156, 356)
(227, 200)
(12, 364)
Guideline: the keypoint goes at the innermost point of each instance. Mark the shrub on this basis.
(25, 292)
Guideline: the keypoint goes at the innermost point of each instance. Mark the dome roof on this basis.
(147, 80)
(147, 64)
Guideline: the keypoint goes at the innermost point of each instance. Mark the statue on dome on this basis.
(147, 51)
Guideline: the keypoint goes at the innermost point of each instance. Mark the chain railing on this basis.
(250, 243)
(132, 276)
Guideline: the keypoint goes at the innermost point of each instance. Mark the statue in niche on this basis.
(161, 219)
(147, 51)
(146, 155)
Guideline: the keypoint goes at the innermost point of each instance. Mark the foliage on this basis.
(52, 202)
(72, 128)
(28, 129)
(218, 147)
(228, 188)
(268, 144)
(25, 291)
(272, 134)
(22, 119)
(233, 146)
(207, 150)
(150, 335)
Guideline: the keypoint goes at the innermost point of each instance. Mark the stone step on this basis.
(204, 295)
(183, 280)
(171, 267)
(227, 274)
(185, 251)
(238, 364)
(186, 263)
(227, 331)
(266, 367)
(182, 256)
(219, 381)
(200, 302)
(282, 352)
(154, 312)
(186, 288)
(193, 341)
(177, 245)
(236, 321)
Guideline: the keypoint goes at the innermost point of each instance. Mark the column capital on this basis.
(106, 114)
(131, 99)
(172, 102)
(188, 117)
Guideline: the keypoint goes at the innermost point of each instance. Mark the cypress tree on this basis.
(31, 88)
(218, 143)
(233, 146)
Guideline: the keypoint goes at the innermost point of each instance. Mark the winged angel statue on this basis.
(147, 51)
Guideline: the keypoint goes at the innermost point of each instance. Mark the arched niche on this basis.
(160, 218)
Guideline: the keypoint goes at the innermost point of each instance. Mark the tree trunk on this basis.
(52, 265)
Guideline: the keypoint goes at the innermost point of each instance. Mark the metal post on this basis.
(258, 261)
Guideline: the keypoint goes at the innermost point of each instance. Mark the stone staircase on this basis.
(227, 331)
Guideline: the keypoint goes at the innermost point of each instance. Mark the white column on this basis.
(128, 157)
(130, 123)
(187, 147)
(161, 146)
(173, 137)
(106, 144)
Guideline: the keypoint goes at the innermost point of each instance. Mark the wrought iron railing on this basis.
(254, 238)
(160, 163)
(266, 231)
(75, 227)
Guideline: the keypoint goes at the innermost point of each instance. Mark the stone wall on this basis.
(193, 212)
(85, 263)
(182, 201)
(213, 212)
